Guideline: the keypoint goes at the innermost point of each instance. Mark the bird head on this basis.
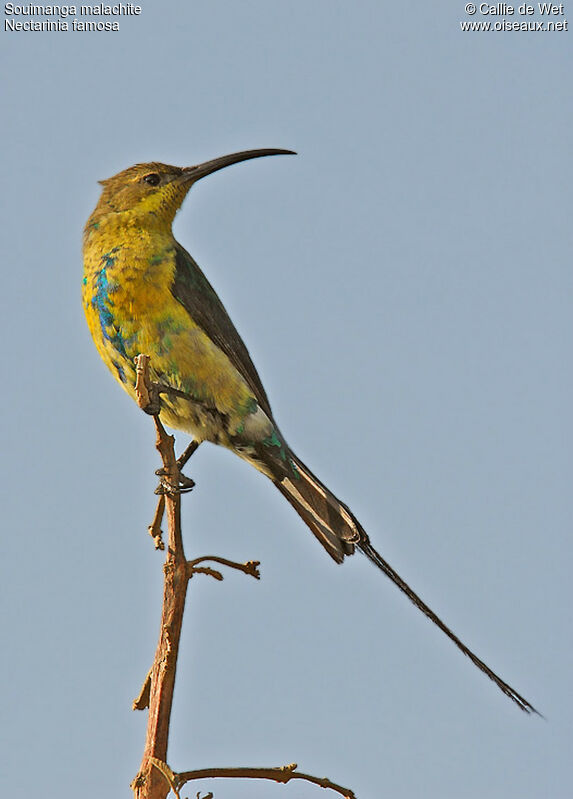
(155, 191)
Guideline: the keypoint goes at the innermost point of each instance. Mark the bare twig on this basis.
(154, 528)
(142, 700)
(277, 774)
(148, 784)
(251, 567)
(206, 570)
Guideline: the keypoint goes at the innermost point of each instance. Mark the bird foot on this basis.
(184, 484)
(153, 407)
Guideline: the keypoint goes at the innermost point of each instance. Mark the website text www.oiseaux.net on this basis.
(520, 17)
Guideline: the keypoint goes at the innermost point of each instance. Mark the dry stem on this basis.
(155, 778)
(277, 774)
(149, 783)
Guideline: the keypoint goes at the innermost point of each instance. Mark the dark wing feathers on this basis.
(192, 289)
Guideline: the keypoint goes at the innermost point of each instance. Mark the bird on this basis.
(143, 293)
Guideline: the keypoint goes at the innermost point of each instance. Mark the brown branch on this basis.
(142, 700)
(155, 778)
(157, 690)
(142, 381)
(149, 784)
(154, 528)
(169, 775)
(251, 567)
(282, 774)
(206, 570)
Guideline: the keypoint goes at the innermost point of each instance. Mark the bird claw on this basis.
(153, 408)
(184, 486)
(186, 483)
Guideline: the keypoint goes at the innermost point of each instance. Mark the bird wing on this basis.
(192, 289)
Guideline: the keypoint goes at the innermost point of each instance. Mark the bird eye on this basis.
(153, 179)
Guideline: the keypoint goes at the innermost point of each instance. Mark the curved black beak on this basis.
(193, 173)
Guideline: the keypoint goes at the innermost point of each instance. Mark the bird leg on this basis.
(185, 484)
(186, 454)
(154, 406)
(172, 481)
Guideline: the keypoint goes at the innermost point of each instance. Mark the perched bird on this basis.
(144, 293)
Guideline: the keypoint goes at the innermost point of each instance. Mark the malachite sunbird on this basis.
(144, 293)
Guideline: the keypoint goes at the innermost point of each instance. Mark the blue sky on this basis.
(404, 288)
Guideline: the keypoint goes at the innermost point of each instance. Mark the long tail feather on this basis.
(340, 532)
(366, 547)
